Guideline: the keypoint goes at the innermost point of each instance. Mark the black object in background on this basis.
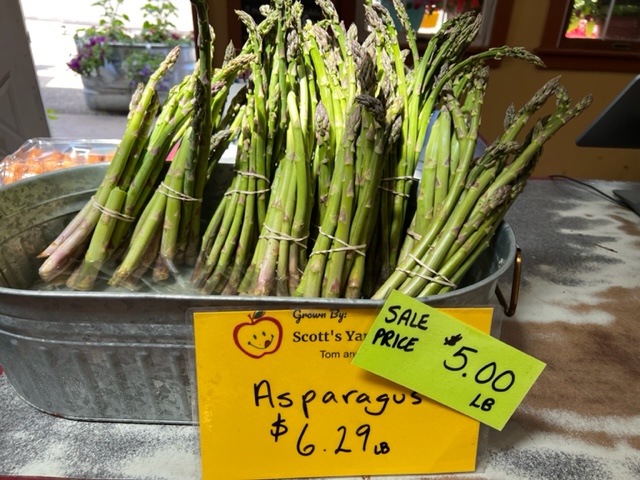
(618, 126)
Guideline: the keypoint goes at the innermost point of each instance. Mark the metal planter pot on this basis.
(124, 356)
(110, 89)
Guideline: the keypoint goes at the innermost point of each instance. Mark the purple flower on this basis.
(96, 40)
(74, 64)
(91, 55)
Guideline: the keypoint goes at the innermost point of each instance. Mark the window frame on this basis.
(577, 54)
(499, 27)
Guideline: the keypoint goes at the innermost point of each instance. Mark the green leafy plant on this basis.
(157, 26)
(112, 22)
(93, 50)
(95, 44)
(139, 66)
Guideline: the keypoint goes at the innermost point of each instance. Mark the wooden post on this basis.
(224, 21)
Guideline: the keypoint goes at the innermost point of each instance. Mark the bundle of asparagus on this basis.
(461, 199)
(359, 125)
(231, 235)
(102, 223)
(168, 231)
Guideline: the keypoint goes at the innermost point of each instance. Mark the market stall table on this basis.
(577, 311)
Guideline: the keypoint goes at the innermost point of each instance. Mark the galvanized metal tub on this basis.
(126, 356)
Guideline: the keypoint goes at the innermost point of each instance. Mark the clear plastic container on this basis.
(40, 155)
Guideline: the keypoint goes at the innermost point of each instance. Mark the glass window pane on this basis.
(436, 13)
(427, 16)
(604, 20)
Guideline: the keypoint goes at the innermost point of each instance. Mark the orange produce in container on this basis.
(42, 155)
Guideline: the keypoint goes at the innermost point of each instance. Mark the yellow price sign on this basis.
(279, 397)
(435, 354)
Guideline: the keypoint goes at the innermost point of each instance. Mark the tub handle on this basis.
(510, 308)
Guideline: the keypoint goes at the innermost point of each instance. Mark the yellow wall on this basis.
(516, 82)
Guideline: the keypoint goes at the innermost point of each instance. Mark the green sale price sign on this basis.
(435, 354)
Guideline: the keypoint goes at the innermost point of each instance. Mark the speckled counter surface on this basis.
(579, 311)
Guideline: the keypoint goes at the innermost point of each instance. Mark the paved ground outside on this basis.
(50, 26)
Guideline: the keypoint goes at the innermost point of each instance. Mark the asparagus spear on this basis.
(83, 278)
(203, 128)
(173, 187)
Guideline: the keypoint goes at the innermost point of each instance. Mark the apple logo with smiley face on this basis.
(259, 336)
